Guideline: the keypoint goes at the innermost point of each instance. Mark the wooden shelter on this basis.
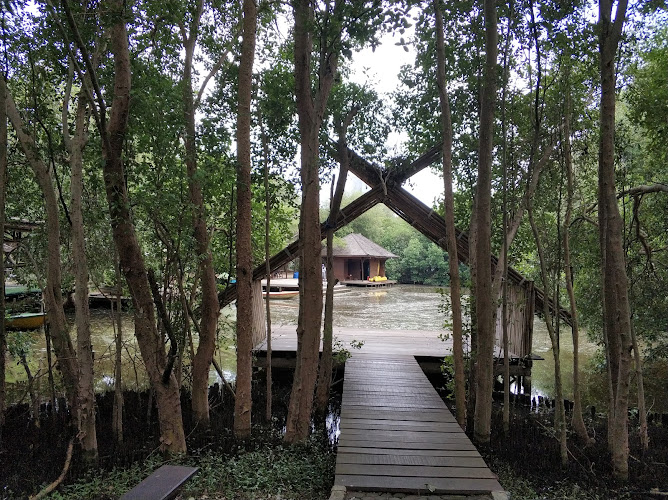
(358, 258)
(386, 187)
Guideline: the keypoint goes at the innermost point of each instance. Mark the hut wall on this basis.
(520, 319)
(339, 269)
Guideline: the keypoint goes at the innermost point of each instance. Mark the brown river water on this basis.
(401, 307)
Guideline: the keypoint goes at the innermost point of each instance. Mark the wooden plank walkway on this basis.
(397, 435)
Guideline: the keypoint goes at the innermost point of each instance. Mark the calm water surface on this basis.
(402, 307)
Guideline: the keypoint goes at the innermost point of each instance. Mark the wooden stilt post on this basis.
(259, 324)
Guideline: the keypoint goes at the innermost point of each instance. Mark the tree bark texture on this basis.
(576, 420)
(617, 318)
(325, 369)
(560, 414)
(117, 411)
(310, 111)
(451, 238)
(209, 304)
(62, 342)
(3, 191)
(132, 264)
(87, 434)
(267, 256)
(242, 407)
(485, 304)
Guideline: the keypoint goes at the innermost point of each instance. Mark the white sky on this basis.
(379, 69)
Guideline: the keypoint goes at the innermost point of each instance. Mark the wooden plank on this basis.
(163, 484)
(404, 435)
(397, 435)
(353, 450)
(397, 424)
(391, 459)
(385, 414)
(414, 471)
(425, 485)
(399, 446)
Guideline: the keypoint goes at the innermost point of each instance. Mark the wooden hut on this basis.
(358, 258)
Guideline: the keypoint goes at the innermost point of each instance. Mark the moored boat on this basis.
(284, 294)
(25, 321)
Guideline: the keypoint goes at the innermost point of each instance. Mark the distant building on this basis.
(358, 259)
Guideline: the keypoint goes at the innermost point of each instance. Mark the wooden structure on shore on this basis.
(386, 188)
(358, 258)
(16, 230)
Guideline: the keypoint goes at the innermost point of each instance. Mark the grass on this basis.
(266, 470)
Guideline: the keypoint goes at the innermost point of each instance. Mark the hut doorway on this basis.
(367, 270)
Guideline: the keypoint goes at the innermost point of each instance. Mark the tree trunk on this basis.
(132, 264)
(453, 260)
(310, 112)
(210, 307)
(62, 342)
(577, 421)
(560, 414)
(325, 370)
(617, 319)
(267, 269)
(642, 410)
(87, 435)
(483, 287)
(117, 410)
(3, 191)
(242, 407)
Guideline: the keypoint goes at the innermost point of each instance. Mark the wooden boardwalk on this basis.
(397, 435)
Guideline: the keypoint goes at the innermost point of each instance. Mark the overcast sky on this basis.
(379, 69)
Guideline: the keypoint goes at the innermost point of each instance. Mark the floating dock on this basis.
(369, 284)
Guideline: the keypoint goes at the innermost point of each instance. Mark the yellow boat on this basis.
(25, 321)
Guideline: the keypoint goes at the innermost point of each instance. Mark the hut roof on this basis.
(357, 245)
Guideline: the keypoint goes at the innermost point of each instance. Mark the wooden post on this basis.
(259, 324)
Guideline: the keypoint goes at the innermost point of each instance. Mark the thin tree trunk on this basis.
(310, 111)
(473, 356)
(560, 415)
(3, 191)
(62, 342)
(483, 287)
(325, 370)
(577, 421)
(210, 307)
(267, 256)
(453, 260)
(131, 257)
(242, 406)
(617, 319)
(642, 410)
(87, 435)
(504, 253)
(117, 410)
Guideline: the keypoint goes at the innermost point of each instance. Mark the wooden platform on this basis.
(369, 284)
(376, 341)
(397, 435)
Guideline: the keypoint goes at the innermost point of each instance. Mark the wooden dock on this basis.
(369, 284)
(398, 436)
